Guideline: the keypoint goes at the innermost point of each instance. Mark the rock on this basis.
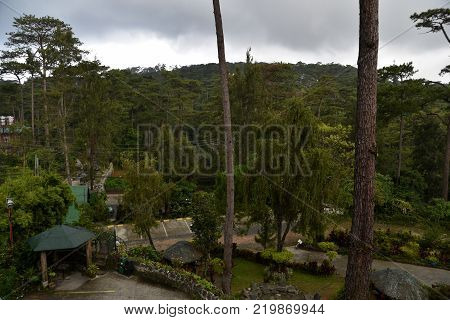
(398, 284)
(272, 291)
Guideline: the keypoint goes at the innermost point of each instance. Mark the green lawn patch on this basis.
(247, 272)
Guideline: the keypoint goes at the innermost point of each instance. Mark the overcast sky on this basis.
(126, 33)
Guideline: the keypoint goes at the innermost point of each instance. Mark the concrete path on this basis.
(425, 275)
(113, 286)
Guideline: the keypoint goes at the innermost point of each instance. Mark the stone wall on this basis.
(274, 291)
(186, 282)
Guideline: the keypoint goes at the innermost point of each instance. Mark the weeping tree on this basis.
(299, 175)
(144, 196)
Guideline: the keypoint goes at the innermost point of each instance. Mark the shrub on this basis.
(411, 250)
(145, 252)
(9, 281)
(92, 270)
(282, 257)
(217, 265)
(326, 268)
(439, 211)
(331, 255)
(115, 184)
(327, 246)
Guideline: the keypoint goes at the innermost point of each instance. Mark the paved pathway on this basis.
(426, 275)
(113, 286)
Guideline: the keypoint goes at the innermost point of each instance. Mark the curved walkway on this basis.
(113, 286)
(425, 275)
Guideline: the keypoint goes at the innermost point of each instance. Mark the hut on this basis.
(61, 237)
(183, 253)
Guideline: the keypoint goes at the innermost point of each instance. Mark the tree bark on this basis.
(46, 129)
(44, 270)
(150, 239)
(400, 149)
(32, 110)
(445, 174)
(22, 113)
(281, 235)
(279, 220)
(229, 219)
(64, 141)
(360, 254)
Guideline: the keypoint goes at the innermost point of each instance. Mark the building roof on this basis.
(81, 196)
(60, 238)
(182, 251)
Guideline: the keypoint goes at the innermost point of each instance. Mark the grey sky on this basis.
(181, 32)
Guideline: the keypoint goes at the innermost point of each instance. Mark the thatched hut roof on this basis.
(183, 252)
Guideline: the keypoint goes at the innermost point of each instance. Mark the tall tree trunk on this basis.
(91, 167)
(229, 219)
(64, 140)
(22, 113)
(445, 174)
(400, 149)
(32, 110)
(46, 119)
(360, 254)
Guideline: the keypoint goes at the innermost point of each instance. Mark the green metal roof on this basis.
(60, 238)
(81, 196)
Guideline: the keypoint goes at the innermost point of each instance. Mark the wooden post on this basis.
(88, 253)
(44, 269)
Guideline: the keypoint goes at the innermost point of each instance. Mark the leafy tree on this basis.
(96, 118)
(49, 41)
(144, 196)
(94, 211)
(434, 20)
(11, 65)
(40, 202)
(399, 97)
(206, 222)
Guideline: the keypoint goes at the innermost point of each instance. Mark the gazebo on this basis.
(61, 237)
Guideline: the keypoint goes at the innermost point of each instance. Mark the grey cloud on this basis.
(296, 25)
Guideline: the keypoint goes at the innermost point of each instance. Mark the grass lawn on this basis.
(246, 272)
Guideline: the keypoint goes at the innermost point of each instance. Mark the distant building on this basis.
(7, 133)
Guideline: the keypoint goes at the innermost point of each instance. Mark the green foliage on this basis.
(92, 270)
(9, 281)
(411, 250)
(217, 265)
(206, 222)
(145, 196)
(145, 252)
(327, 246)
(40, 202)
(276, 257)
(434, 19)
(181, 199)
(438, 212)
(115, 184)
(94, 211)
